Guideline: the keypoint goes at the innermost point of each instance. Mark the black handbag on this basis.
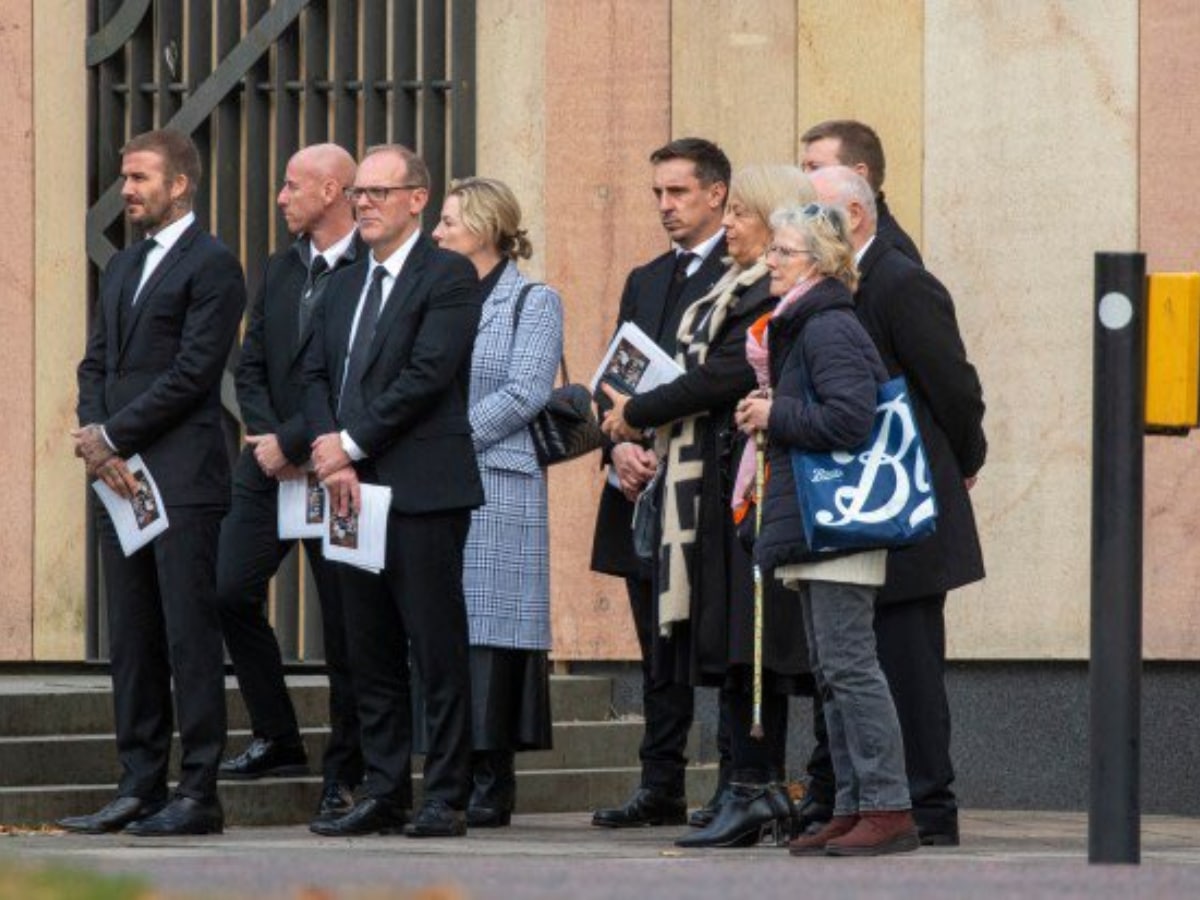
(566, 427)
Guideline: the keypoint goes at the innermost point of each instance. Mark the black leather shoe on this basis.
(112, 817)
(704, 816)
(264, 758)
(751, 812)
(646, 807)
(183, 815)
(336, 801)
(437, 819)
(370, 815)
(813, 814)
(485, 817)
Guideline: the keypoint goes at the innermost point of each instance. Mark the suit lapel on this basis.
(353, 254)
(502, 296)
(146, 295)
(871, 257)
(658, 283)
(406, 282)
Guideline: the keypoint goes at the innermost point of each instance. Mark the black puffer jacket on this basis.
(818, 349)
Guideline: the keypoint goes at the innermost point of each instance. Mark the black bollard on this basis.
(1115, 672)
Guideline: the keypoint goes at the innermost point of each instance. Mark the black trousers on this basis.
(164, 628)
(756, 760)
(911, 643)
(668, 706)
(414, 609)
(250, 554)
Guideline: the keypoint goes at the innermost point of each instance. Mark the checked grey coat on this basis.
(506, 572)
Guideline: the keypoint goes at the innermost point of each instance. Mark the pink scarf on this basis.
(758, 354)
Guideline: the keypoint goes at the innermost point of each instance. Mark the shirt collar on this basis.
(862, 251)
(394, 263)
(334, 251)
(705, 247)
(167, 236)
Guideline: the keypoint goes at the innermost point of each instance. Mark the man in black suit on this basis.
(845, 142)
(910, 317)
(269, 383)
(691, 179)
(387, 374)
(149, 384)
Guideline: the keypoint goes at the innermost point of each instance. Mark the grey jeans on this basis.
(864, 733)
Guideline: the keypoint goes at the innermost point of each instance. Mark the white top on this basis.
(164, 239)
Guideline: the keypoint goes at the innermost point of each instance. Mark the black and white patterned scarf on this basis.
(679, 445)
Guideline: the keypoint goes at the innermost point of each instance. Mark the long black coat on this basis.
(910, 317)
(720, 629)
(643, 302)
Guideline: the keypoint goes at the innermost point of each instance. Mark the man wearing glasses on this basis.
(386, 392)
(270, 393)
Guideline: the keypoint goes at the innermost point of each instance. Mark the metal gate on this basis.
(253, 81)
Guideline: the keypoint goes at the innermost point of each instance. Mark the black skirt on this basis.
(510, 701)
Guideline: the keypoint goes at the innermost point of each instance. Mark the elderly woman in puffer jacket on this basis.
(824, 373)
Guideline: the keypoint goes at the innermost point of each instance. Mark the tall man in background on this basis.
(270, 393)
(166, 316)
(691, 180)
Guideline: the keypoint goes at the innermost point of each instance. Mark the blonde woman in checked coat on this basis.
(506, 569)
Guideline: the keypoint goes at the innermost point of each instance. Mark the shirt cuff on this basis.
(352, 449)
(107, 439)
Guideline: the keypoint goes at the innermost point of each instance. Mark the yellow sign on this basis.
(1173, 351)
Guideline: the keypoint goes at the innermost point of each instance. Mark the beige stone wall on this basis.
(1030, 167)
(17, 501)
(60, 171)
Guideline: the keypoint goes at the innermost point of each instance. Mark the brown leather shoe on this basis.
(814, 844)
(877, 834)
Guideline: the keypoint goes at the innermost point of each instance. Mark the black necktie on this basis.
(133, 277)
(318, 267)
(672, 311)
(350, 404)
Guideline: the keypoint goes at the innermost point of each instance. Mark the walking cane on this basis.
(760, 444)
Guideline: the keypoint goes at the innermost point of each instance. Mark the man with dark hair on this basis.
(150, 384)
(386, 375)
(313, 202)
(845, 142)
(691, 179)
(909, 315)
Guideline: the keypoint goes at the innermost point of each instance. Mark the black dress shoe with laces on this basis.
(437, 819)
(646, 807)
(336, 801)
(183, 815)
(265, 758)
(371, 815)
(112, 817)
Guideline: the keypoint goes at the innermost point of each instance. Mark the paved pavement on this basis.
(1003, 854)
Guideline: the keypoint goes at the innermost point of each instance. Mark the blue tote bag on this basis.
(879, 495)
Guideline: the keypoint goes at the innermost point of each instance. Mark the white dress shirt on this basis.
(164, 239)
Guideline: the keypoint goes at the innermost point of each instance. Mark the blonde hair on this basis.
(490, 210)
(762, 189)
(826, 235)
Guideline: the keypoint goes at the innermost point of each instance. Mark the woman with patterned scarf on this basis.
(703, 574)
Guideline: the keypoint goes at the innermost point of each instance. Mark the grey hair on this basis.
(825, 230)
(847, 187)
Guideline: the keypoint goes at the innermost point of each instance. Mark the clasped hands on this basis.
(633, 463)
(753, 412)
(102, 462)
(333, 466)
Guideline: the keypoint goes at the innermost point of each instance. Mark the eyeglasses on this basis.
(378, 193)
(785, 252)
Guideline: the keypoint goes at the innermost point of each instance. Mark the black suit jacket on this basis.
(414, 427)
(270, 374)
(644, 303)
(155, 385)
(910, 317)
(889, 230)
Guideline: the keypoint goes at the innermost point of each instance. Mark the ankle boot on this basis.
(876, 834)
(494, 791)
(704, 816)
(751, 812)
(813, 844)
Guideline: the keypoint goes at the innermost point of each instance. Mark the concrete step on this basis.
(293, 800)
(82, 704)
(91, 758)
